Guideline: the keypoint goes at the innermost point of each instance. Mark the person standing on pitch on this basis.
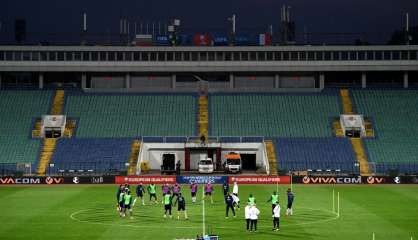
(235, 189)
(290, 199)
(176, 190)
(181, 207)
(236, 201)
(193, 190)
(127, 201)
(251, 199)
(274, 199)
(229, 201)
(208, 191)
(167, 200)
(121, 203)
(225, 187)
(152, 192)
(276, 217)
(247, 216)
(121, 189)
(165, 188)
(254, 212)
(140, 191)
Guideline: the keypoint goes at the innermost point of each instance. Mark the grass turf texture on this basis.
(43, 212)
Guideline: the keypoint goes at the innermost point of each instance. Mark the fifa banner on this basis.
(202, 179)
(56, 180)
(260, 179)
(145, 179)
(355, 180)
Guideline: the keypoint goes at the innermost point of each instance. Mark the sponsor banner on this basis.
(391, 180)
(31, 180)
(145, 179)
(328, 180)
(260, 179)
(202, 179)
(90, 180)
(356, 180)
(56, 180)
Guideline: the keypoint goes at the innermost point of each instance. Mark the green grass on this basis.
(43, 212)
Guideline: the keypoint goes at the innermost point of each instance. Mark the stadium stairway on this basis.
(133, 159)
(356, 143)
(203, 116)
(361, 156)
(36, 132)
(46, 154)
(271, 155)
(58, 104)
(49, 144)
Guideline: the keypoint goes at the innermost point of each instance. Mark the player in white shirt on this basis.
(254, 212)
(235, 189)
(276, 217)
(247, 216)
(236, 201)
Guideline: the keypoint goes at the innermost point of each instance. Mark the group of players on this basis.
(125, 201)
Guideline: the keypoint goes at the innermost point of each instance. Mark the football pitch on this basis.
(89, 212)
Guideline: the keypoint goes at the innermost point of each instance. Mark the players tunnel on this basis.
(248, 161)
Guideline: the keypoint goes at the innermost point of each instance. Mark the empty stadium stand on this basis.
(395, 117)
(19, 109)
(125, 115)
(82, 155)
(273, 115)
(301, 154)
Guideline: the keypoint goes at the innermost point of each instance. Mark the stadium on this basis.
(330, 127)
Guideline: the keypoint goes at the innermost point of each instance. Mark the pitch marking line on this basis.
(74, 218)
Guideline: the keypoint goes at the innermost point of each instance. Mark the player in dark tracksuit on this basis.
(225, 187)
(290, 199)
(229, 201)
(140, 191)
(181, 206)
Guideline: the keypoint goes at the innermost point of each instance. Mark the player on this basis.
(127, 201)
(254, 212)
(247, 215)
(290, 199)
(209, 191)
(152, 193)
(276, 218)
(251, 199)
(193, 190)
(235, 189)
(181, 206)
(274, 199)
(229, 201)
(236, 201)
(120, 190)
(140, 191)
(167, 200)
(176, 190)
(121, 203)
(225, 187)
(165, 188)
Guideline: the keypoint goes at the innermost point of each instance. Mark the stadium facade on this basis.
(269, 68)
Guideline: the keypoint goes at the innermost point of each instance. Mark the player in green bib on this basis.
(167, 200)
(274, 199)
(152, 192)
(127, 202)
(121, 203)
(251, 200)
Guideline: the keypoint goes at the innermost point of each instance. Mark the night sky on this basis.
(60, 21)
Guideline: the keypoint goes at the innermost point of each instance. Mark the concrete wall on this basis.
(152, 152)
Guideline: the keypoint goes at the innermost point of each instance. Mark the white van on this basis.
(206, 165)
(233, 163)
